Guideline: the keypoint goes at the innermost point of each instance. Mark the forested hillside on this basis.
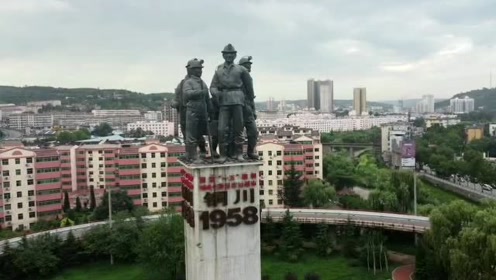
(484, 97)
(86, 98)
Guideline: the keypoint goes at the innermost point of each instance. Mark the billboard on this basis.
(408, 154)
(408, 150)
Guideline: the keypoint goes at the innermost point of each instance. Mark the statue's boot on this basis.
(215, 143)
(192, 154)
(223, 156)
(250, 151)
(238, 152)
(203, 150)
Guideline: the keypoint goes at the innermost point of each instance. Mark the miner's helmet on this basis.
(229, 49)
(245, 60)
(195, 63)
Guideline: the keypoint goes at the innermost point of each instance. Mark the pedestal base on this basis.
(222, 222)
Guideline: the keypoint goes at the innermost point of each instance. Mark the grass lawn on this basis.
(441, 195)
(103, 271)
(335, 268)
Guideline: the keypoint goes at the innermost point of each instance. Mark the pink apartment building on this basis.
(33, 180)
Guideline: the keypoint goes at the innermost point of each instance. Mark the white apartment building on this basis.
(164, 128)
(444, 121)
(390, 131)
(426, 105)
(328, 123)
(492, 130)
(461, 106)
(115, 113)
(155, 116)
(24, 120)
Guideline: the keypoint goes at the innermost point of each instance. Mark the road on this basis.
(11, 134)
(361, 218)
(469, 187)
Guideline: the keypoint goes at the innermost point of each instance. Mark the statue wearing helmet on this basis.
(230, 84)
(180, 106)
(196, 99)
(249, 115)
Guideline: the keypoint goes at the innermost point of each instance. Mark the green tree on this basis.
(67, 203)
(65, 137)
(291, 192)
(161, 247)
(323, 240)
(269, 230)
(78, 204)
(318, 194)
(120, 202)
(291, 240)
(103, 129)
(339, 171)
(36, 257)
(92, 198)
(72, 252)
(419, 122)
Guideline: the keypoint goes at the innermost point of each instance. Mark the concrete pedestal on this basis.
(222, 221)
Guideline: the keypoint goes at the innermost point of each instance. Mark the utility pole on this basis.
(110, 219)
(415, 200)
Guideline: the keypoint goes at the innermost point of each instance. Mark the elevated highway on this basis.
(389, 221)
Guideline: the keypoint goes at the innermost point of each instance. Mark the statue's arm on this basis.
(215, 86)
(248, 85)
(191, 92)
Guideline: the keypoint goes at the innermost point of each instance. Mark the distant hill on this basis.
(84, 98)
(485, 98)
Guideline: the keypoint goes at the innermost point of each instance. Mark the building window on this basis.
(270, 153)
(143, 175)
(7, 207)
(154, 165)
(18, 171)
(261, 192)
(270, 162)
(316, 149)
(270, 182)
(154, 205)
(154, 185)
(278, 153)
(143, 165)
(154, 175)
(32, 214)
(17, 161)
(145, 195)
(153, 155)
(271, 202)
(18, 183)
(164, 194)
(270, 172)
(316, 157)
(19, 194)
(279, 172)
(145, 204)
(271, 192)
(30, 181)
(31, 204)
(5, 173)
(5, 162)
(279, 162)
(6, 184)
(20, 216)
(19, 205)
(154, 194)
(145, 185)
(162, 164)
(162, 155)
(143, 155)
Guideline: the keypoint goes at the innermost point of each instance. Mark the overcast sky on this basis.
(394, 48)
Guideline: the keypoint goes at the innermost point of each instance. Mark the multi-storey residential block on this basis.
(277, 158)
(33, 180)
(164, 128)
(30, 186)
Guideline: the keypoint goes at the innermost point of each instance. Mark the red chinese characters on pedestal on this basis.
(238, 181)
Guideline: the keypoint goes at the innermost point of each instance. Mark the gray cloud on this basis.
(394, 48)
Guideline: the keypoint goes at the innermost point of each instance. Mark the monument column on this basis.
(221, 209)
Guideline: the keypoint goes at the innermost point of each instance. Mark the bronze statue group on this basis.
(221, 115)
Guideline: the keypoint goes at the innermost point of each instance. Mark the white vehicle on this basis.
(486, 187)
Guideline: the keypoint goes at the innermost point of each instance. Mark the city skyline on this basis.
(442, 49)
